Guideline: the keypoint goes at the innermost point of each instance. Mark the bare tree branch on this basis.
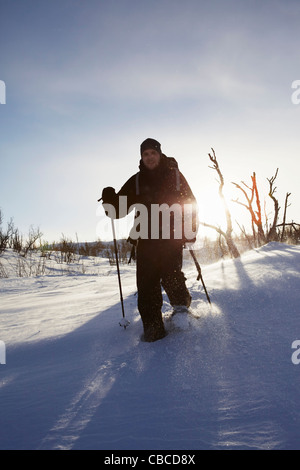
(228, 235)
(272, 235)
(256, 218)
(286, 205)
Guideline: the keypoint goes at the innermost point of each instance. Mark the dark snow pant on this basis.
(159, 264)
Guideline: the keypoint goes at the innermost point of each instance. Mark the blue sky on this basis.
(88, 81)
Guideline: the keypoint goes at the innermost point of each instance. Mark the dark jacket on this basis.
(152, 191)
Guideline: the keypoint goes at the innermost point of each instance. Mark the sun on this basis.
(212, 211)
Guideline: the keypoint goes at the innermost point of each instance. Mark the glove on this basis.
(108, 195)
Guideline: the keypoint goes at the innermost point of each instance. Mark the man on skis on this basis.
(166, 219)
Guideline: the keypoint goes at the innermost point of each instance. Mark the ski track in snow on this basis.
(75, 380)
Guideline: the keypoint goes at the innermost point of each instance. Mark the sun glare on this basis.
(210, 206)
(211, 209)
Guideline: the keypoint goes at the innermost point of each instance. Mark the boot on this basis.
(177, 309)
(154, 331)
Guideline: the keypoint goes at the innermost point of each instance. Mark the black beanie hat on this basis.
(150, 144)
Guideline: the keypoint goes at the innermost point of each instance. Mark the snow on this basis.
(74, 379)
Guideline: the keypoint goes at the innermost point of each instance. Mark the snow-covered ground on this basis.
(74, 379)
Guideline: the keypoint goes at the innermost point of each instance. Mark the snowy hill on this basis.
(74, 379)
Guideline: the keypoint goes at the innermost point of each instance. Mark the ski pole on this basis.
(200, 277)
(124, 322)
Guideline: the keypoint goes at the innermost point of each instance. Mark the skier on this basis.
(159, 235)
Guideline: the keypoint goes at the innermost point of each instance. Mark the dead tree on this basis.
(293, 232)
(272, 234)
(246, 236)
(256, 215)
(228, 234)
(286, 205)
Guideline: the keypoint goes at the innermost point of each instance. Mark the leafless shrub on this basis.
(5, 234)
(30, 244)
(124, 249)
(67, 250)
(91, 249)
(16, 241)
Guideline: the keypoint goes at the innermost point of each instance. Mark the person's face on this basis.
(151, 159)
